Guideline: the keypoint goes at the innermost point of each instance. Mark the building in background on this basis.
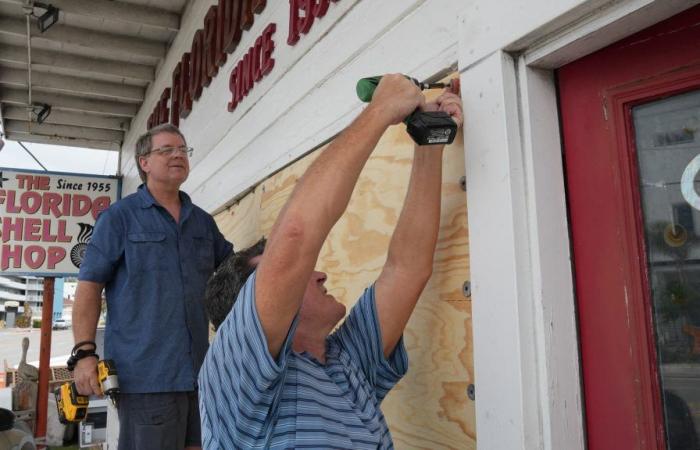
(58, 299)
(69, 287)
(21, 290)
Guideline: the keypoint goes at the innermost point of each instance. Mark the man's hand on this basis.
(452, 105)
(396, 97)
(449, 102)
(85, 375)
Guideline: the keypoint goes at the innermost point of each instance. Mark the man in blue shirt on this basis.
(153, 252)
(275, 377)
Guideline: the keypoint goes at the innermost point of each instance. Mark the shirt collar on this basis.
(147, 200)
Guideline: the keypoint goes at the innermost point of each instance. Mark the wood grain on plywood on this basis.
(240, 223)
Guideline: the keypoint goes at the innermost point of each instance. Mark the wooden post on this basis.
(44, 359)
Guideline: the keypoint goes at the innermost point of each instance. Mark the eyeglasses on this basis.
(169, 151)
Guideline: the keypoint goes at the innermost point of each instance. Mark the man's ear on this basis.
(143, 163)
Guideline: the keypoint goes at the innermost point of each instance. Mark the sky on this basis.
(58, 158)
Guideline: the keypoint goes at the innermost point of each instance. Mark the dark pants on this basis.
(167, 420)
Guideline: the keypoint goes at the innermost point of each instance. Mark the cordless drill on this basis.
(72, 407)
(424, 127)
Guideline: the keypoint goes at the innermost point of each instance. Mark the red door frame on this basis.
(618, 354)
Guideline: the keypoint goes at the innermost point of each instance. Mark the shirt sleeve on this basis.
(222, 247)
(240, 382)
(361, 337)
(105, 249)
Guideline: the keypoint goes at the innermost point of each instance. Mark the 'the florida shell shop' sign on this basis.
(46, 219)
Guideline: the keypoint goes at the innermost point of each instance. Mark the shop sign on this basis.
(222, 30)
(256, 63)
(302, 14)
(46, 219)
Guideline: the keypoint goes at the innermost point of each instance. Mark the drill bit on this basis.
(453, 85)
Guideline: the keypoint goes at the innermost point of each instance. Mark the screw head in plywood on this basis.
(471, 392)
(467, 289)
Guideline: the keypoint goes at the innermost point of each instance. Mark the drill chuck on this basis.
(107, 376)
(110, 385)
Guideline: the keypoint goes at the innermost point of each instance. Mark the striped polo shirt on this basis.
(249, 400)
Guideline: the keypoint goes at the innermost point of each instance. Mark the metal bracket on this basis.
(44, 110)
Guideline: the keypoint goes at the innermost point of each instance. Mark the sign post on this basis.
(42, 402)
(46, 222)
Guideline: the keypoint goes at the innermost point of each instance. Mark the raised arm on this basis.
(316, 204)
(409, 262)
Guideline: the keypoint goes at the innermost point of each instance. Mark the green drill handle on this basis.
(366, 86)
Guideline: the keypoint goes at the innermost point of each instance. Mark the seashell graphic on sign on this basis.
(77, 253)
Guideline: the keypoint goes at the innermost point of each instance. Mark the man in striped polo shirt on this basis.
(275, 377)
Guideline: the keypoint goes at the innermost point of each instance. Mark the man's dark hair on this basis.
(228, 280)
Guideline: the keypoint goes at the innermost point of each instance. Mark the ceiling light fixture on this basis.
(49, 18)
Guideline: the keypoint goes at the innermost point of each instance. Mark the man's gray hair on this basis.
(145, 142)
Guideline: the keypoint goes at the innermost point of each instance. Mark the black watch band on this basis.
(78, 353)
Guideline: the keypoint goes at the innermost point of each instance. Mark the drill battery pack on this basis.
(431, 128)
(72, 407)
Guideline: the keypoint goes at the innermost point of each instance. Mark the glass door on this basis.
(667, 144)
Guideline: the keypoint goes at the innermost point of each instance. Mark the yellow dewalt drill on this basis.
(72, 407)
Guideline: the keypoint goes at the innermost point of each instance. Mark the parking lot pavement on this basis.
(11, 344)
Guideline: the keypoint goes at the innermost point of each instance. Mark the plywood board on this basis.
(429, 408)
(240, 222)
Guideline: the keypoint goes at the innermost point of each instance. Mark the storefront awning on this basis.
(91, 62)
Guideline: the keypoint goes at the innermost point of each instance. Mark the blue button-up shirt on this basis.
(155, 272)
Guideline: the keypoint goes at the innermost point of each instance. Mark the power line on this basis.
(32, 155)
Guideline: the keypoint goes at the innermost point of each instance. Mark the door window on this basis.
(667, 139)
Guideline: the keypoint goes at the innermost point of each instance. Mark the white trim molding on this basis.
(526, 358)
